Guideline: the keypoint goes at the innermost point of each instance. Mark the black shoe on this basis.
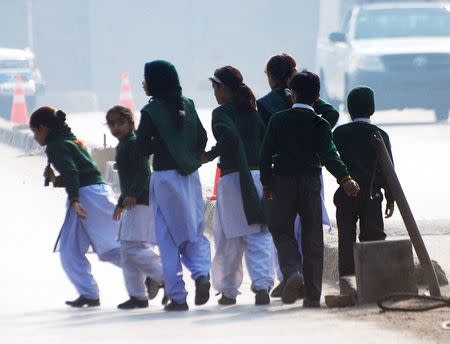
(226, 301)
(278, 290)
(176, 307)
(152, 288)
(291, 289)
(202, 286)
(311, 303)
(262, 297)
(83, 302)
(133, 303)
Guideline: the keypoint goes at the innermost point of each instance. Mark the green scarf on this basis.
(181, 144)
(254, 207)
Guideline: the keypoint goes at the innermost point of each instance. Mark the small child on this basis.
(135, 235)
(354, 143)
(90, 204)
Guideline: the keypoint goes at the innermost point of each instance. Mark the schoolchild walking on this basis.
(354, 143)
(279, 69)
(296, 145)
(136, 238)
(239, 225)
(171, 130)
(90, 204)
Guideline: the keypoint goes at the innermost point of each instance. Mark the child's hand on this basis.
(81, 212)
(50, 174)
(117, 213)
(389, 210)
(351, 188)
(129, 202)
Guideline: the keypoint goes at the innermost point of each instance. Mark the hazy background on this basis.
(83, 46)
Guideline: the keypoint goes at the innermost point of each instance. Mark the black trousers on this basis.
(300, 195)
(371, 227)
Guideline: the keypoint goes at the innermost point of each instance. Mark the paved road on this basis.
(33, 288)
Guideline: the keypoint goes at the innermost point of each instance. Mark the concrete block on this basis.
(101, 156)
(112, 176)
(383, 268)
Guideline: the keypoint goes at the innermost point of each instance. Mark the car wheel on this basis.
(441, 113)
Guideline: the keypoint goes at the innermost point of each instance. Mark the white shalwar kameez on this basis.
(98, 231)
(138, 258)
(234, 238)
(177, 216)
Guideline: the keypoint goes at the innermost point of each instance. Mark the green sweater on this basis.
(250, 129)
(71, 159)
(298, 142)
(173, 149)
(354, 143)
(239, 137)
(134, 171)
(276, 101)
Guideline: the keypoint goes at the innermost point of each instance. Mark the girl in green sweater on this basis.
(132, 210)
(90, 204)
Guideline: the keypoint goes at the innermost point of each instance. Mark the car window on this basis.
(401, 22)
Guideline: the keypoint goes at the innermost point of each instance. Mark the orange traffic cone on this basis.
(213, 197)
(19, 113)
(126, 98)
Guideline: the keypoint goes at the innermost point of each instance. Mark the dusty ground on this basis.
(423, 325)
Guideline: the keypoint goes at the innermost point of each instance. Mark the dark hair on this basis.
(281, 68)
(306, 86)
(123, 112)
(163, 83)
(361, 102)
(243, 97)
(48, 117)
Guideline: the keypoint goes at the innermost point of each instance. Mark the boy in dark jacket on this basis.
(354, 143)
(296, 145)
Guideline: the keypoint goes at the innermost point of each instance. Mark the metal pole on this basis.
(393, 183)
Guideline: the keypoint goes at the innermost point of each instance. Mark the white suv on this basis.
(401, 50)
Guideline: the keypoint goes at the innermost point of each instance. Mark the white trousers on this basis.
(195, 256)
(227, 271)
(138, 261)
(73, 245)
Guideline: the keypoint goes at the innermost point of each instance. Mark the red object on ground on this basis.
(19, 113)
(213, 197)
(126, 98)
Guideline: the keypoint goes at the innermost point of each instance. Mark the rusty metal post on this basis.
(387, 168)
